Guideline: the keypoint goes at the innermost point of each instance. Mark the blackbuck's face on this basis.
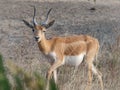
(39, 29)
(38, 32)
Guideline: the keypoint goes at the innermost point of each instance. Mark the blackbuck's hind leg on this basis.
(89, 82)
(99, 75)
(92, 69)
(89, 60)
(92, 51)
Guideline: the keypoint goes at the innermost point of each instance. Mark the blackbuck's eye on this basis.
(33, 30)
(44, 31)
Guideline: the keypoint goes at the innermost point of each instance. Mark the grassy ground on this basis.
(72, 17)
(21, 80)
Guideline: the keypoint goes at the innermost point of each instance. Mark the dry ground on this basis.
(72, 17)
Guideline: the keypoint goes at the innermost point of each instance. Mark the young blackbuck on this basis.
(66, 50)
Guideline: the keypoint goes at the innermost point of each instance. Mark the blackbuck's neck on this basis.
(45, 45)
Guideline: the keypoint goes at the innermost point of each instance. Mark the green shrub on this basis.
(4, 83)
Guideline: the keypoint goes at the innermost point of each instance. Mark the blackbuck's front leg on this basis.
(55, 65)
(55, 75)
(53, 68)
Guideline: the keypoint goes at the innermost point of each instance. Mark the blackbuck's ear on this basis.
(49, 24)
(27, 24)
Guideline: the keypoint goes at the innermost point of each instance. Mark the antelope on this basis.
(69, 50)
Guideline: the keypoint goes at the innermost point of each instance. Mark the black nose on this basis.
(36, 38)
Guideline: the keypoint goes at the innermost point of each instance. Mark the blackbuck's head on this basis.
(39, 29)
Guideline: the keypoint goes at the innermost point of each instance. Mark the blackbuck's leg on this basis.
(55, 65)
(99, 75)
(90, 56)
(53, 68)
(89, 60)
(89, 82)
(55, 75)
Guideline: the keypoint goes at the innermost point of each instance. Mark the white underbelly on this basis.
(74, 60)
(70, 60)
